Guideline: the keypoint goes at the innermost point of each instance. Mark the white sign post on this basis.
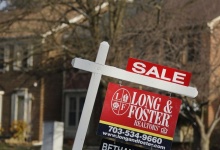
(90, 98)
(98, 68)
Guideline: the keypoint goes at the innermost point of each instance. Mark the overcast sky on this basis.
(3, 4)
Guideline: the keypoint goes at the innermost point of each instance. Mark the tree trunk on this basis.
(205, 143)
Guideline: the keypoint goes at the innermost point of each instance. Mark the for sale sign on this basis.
(139, 117)
(158, 71)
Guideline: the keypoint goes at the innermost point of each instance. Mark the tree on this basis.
(186, 47)
(197, 111)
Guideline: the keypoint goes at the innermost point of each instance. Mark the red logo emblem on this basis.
(121, 101)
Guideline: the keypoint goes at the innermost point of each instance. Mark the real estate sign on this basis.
(129, 114)
(139, 117)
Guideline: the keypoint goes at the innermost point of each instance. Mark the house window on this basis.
(21, 106)
(1, 58)
(194, 44)
(23, 58)
(74, 103)
(4, 57)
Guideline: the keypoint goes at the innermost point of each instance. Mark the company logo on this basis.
(164, 130)
(121, 101)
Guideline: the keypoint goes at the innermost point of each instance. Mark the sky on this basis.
(3, 4)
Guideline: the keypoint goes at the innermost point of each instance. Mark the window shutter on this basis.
(13, 108)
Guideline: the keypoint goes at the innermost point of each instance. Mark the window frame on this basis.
(5, 58)
(70, 130)
(27, 105)
(19, 57)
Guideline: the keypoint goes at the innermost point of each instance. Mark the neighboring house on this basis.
(29, 90)
(24, 92)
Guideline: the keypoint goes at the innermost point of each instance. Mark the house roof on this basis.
(213, 23)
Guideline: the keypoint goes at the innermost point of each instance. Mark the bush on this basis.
(1, 130)
(19, 130)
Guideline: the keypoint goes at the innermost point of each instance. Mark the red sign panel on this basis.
(139, 116)
(158, 71)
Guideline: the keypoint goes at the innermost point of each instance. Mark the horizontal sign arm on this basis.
(133, 77)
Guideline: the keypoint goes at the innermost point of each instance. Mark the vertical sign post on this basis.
(90, 98)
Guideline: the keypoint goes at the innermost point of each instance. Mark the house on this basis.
(35, 87)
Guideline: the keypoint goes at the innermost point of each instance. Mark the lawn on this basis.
(4, 146)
